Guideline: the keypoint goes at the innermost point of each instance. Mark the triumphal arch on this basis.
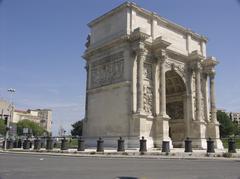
(147, 76)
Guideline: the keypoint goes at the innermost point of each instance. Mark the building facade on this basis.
(147, 76)
(41, 116)
(5, 109)
(234, 116)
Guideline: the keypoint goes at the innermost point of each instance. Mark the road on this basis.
(28, 166)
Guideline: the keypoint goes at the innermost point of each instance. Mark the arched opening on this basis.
(176, 104)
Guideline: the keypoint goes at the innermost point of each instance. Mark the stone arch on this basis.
(176, 90)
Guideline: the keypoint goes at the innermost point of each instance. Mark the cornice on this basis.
(160, 43)
(138, 34)
(210, 62)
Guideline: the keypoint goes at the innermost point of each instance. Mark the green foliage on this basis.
(2, 127)
(77, 128)
(225, 143)
(227, 127)
(36, 129)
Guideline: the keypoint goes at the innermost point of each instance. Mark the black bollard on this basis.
(31, 144)
(64, 144)
(165, 146)
(19, 145)
(143, 145)
(3, 144)
(43, 143)
(121, 147)
(231, 146)
(26, 144)
(210, 146)
(49, 145)
(100, 147)
(37, 144)
(81, 145)
(15, 144)
(55, 144)
(9, 144)
(188, 145)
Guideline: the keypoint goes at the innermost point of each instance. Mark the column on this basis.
(198, 93)
(87, 87)
(205, 90)
(212, 98)
(162, 87)
(140, 58)
(189, 96)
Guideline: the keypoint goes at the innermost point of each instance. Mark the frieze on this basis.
(107, 70)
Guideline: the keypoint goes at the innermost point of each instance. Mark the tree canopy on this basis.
(2, 127)
(227, 126)
(36, 129)
(77, 128)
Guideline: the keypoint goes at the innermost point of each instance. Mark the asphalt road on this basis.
(28, 166)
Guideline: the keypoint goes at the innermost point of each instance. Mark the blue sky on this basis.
(41, 43)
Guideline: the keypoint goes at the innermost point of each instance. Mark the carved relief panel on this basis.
(148, 88)
(107, 70)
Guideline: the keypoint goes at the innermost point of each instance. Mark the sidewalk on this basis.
(176, 153)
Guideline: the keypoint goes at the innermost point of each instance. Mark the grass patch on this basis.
(225, 143)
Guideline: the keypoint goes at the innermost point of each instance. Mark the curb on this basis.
(122, 156)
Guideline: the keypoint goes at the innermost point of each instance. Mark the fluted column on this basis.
(140, 58)
(198, 92)
(163, 86)
(205, 97)
(212, 98)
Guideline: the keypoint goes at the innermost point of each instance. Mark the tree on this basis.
(2, 127)
(36, 129)
(77, 128)
(227, 127)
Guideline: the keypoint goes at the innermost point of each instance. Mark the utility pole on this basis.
(11, 91)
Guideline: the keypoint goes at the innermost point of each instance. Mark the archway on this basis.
(176, 107)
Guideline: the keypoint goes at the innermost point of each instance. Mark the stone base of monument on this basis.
(213, 132)
(199, 143)
(111, 142)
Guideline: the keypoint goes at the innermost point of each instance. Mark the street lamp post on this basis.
(11, 91)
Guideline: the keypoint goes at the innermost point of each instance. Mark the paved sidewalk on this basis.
(176, 153)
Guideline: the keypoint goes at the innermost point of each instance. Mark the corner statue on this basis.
(147, 76)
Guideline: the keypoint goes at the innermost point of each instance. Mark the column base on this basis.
(213, 132)
(198, 134)
(199, 143)
(161, 132)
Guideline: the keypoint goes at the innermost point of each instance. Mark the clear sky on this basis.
(41, 43)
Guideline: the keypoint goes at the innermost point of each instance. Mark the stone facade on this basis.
(41, 116)
(147, 76)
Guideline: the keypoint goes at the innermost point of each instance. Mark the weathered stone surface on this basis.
(147, 76)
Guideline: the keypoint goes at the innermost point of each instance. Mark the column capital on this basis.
(141, 51)
(161, 55)
(212, 74)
